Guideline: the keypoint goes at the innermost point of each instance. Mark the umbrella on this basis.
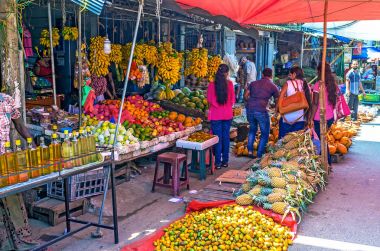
(247, 12)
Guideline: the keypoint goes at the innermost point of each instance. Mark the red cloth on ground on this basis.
(146, 243)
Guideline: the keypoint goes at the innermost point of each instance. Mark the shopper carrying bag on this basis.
(294, 103)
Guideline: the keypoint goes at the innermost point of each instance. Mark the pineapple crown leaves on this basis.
(293, 211)
(237, 193)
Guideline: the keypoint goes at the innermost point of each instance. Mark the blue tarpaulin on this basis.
(95, 6)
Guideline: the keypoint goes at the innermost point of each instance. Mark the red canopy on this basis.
(287, 11)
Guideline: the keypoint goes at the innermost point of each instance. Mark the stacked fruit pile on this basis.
(191, 99)
(169, 64)
(225, 228)
(146, 119)
(99, 61)
(200, 137)
(288, 177)
(340, 136)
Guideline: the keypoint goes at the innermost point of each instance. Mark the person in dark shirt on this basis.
(257, 95)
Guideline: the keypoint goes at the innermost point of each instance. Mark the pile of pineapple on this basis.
(286, 179)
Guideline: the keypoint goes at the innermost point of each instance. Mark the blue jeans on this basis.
(256, 119)
(317, 128)
(286, 128)
(221, 128)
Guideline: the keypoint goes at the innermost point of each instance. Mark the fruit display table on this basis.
(199, 153)
(65, 174)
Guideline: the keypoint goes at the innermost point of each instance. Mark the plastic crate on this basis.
(372, 97)
(80, 186)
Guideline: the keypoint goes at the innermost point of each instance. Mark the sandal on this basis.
(225, 165)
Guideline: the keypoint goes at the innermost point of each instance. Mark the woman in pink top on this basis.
(331, 95)
(221, 98)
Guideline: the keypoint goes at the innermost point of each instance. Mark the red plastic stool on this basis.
(172, 170)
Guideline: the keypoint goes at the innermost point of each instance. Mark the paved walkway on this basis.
(344, 217)
(347, 215)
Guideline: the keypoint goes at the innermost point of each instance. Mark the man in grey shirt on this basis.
(353, 85)
(250, 71)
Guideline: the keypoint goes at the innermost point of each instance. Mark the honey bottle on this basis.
(34, 159)
(21, 162)
(11, 168)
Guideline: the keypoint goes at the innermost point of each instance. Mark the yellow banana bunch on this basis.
(151, 55)
(138, 55)
(169, 93)
(45, 37)
(167, 46)
(212, 66)
(70, 33)
(116, 55)
(99, 61)
(161, 95)
(197, 58)
(169, 67)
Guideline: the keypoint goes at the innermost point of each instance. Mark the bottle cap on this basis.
(18, 142)
(81, 131)
(54, 136)
(7, 144)
(88, 129)
(66, 132)
(29, 140)
(54, 127)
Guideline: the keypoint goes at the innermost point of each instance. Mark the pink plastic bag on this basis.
(341, 109)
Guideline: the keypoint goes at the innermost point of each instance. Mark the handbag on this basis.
(341, 108)
(294, 102)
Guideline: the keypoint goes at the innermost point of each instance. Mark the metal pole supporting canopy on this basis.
(141, 5)
(52, 55)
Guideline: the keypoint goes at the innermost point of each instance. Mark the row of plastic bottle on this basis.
(24, 164)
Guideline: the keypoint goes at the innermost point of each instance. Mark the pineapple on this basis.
(246, 187)
(291, 165)
(277, 207)
(291, 178)
(264, 180)
(291, 144)
(280, 207)
(280, 191)
(288, 137)
(279, 154)
(260, 200)
(302, 175)
(292, 189)
(293, 153)
(274, 172)
(265, 191)
(244, 200)
(265, 160)
(255, 191)
(278, 182)
(275, 197)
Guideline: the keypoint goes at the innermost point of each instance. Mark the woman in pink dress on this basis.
(221, 98)
(331, 94)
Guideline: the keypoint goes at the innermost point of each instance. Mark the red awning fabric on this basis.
(247, 12)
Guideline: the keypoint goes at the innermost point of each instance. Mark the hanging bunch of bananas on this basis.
(70, 33)
(125, 51)
(169, 66)
(167, 46)
(138, 55)
(151, 55)
(99, 61)
(197, 58)
(116, 55)
(45, 37)
(212, 66)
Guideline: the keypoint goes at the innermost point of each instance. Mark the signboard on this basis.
(347, 55)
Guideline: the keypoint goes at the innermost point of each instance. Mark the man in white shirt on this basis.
(250, 71)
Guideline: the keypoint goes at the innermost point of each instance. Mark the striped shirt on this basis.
(354, 77)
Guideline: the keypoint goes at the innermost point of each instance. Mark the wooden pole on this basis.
(80, 75)
(322, 103)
